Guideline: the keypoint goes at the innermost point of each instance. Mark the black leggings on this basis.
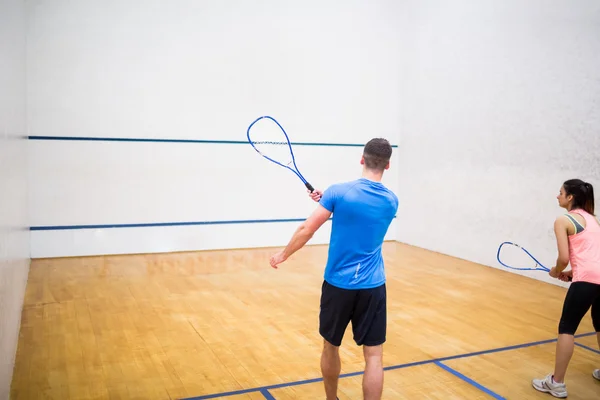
(580, 297)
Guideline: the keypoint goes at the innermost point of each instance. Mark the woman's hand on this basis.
(566, 276)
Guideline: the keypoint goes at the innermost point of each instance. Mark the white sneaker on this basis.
(547, 385)
(596, 374)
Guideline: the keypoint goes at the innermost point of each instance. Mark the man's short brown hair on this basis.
(377, 154)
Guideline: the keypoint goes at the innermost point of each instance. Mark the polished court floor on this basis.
(224, 324)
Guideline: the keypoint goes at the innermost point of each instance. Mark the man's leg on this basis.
(330, 368)
(373, 378)
(336, 310)
(369, 324)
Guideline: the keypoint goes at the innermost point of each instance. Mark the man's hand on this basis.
(277, 259)
(302, 235)
(316, 195)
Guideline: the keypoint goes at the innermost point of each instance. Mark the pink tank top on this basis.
(584, 250)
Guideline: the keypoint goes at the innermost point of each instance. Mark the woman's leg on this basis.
(596, 323)
(578, 301)
(564, 352)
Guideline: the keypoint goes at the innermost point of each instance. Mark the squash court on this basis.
(199, 324)
(138, 216)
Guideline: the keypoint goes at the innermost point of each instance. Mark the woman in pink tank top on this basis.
(578, 241)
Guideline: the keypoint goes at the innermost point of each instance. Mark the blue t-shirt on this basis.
(362, 212)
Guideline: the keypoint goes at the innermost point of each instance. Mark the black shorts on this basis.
(366, 308)
(581, 296)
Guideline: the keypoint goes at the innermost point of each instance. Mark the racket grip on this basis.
(309, 187)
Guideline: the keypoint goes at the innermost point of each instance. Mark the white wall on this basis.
(204, 71)
(14, 236)
(501, 104)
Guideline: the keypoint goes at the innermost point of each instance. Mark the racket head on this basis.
(270, 140)
(514, 256)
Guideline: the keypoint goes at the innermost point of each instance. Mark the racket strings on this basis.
(270, 141)
(515, 257)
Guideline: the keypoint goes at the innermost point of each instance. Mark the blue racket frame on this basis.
(528, 253)
(295, 170)
(543, 267)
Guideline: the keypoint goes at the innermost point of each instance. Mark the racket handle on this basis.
(309, 187)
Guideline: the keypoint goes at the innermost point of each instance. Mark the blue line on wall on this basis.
(159, 224)
(149, 140)
(156, 224)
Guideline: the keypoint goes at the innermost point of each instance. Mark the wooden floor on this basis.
(194, 324)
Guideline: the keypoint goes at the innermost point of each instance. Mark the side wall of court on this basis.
(502, 105)
(14, 233)
(198, 71)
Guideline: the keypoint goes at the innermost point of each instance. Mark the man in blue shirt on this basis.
(354, 280)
